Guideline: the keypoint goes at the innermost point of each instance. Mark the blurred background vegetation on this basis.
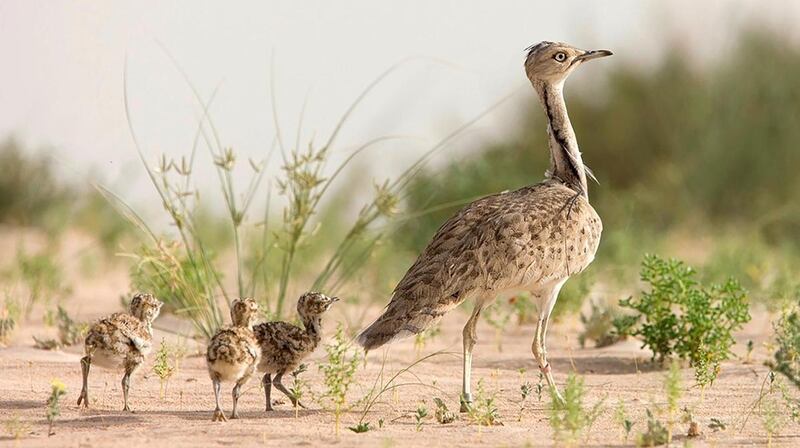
(697, 163)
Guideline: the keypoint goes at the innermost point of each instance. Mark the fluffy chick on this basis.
(233, 353)
(121, 340)
(284, 346)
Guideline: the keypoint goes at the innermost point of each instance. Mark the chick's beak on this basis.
(593, 54)
(334, 299)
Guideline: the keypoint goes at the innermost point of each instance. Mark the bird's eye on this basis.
(560, 56)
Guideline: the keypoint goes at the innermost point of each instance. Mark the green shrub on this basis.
(685, 318)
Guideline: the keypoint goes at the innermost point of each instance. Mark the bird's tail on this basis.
(400, 321)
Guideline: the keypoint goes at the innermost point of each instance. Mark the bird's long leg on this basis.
(126, 385)
(279, 385)
(236, 393)
(470, 337)
(539, 347)
(86, 362)
(267, 382)
(219, 416)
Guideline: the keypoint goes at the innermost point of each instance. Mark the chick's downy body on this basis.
(284, 346)
(233, 353)
(120, 341)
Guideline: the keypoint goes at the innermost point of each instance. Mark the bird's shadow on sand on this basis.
(96, 420)
(205, 415)
(20, 404)
(600, 365)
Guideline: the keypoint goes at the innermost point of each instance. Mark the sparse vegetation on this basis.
(422, 338)
(483, 411)
(683, 317)
(298, 387)
(572, 419)
(69, 332)
(443, 415)
(162, 367)
(419, 416)
(598, 325)
(339, 371)
(53, 411)
(655, 435)
(786, 359)
(623, 420)
(498, 315)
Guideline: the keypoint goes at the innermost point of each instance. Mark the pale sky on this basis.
(62, 65)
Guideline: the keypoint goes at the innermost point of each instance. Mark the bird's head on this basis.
(552, 62)
(314, 303)
(145, 307)
(244, 312)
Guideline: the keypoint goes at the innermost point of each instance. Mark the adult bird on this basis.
(532, 239)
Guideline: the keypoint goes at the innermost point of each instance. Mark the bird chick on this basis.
(121, 340)
(233, 353)
(284, 346)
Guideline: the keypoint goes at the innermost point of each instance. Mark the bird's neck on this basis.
(566, 164)
(313, 325)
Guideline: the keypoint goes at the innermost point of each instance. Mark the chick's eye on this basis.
(560, 57)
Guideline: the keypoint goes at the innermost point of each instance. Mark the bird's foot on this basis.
(466, 403)
(219, 416)
(83, 398)
(126, 408)
(235, 415)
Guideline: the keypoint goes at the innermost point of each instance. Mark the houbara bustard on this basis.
(532, 239)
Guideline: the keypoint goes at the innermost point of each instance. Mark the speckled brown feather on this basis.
(233, 345)
(513, 240)
(121, 337)
(233, 351)
(283, 345)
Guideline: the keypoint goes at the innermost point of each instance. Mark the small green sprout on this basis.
(53, 410)
(419, 416)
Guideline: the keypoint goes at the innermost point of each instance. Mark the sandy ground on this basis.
(183, 417)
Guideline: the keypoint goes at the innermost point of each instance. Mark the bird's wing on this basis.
(492, 244)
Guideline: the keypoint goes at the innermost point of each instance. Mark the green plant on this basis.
(298, 386)
(423, 337)
(483, 410)
(53, 411)
(162, 367)
(497, 316)
(10, 314)
(717, 424)
(599, 327)
(786, 359)
(686, 318)
(381, 386)
(622, 419)
(571, 419)
(525, 390)
(339, 372)
(42, 276)
(420, 414)
(673, 391)
(69, 332)
(748, 357)
(656, 434)
(523, 307)
(360, 427)
(16, 427)
(443, 414)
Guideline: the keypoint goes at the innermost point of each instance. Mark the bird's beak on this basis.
(593, 54)
(334, 299)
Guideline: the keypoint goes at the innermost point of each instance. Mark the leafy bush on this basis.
(685, 318)
(599, 325)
